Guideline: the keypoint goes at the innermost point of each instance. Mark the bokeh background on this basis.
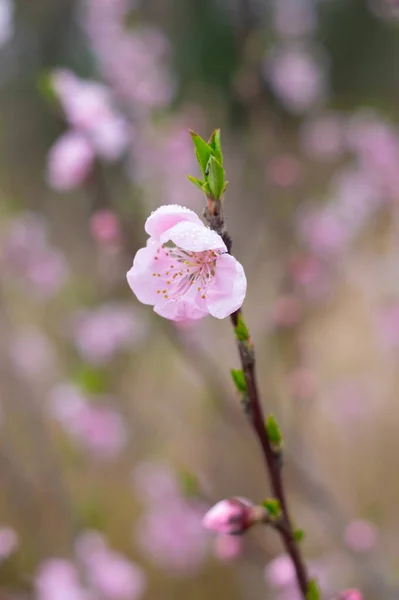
(120, 429)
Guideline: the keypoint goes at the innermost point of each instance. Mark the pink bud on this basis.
(351, 594)
(231, 517)
(105, 226)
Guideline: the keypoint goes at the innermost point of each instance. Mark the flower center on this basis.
(184, 271)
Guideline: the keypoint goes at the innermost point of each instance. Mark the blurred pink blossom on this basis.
(101, 333)
(26, 236)
(293, 18)
(280, 572)
(6, 21)
(172, 535)
(9, 542)
(96, 428)
(212, 283)
(155, 482)
(322, 138)
(114, 576)
(228, 547)
(89, 543)
(297, 77)
(105, 227)
(361, 535)
(351, 594)
(133, 60)
(32, 353)
(284, 170)
(69, 162)
(388, 326)
(309, 271)
(47, 273)
(286, 311)
(89, 110)
(322, 231)
(58, 579)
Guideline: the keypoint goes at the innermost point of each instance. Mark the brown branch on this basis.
(215, 218)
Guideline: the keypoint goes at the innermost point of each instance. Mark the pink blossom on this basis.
(297, 78)
(96, 428)
(284, 170)
(322, 138)
(352, 594)
(185, 271)
(230, 517)
(9, 542)
(58, 579)
(88, 109)
(101, 333)
(280, 572)
(105, 227)
(173, 537)
(228, 547)
(114, 576)
(361, 535)
(69, 162)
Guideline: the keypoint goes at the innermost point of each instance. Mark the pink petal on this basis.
(167, 216)
(193, 237)
(227, 291)
(140, 278)
(181, 310)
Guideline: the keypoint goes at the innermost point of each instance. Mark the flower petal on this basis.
(140, 278)
(167, 216)
(180, 310)
(193, 237)
(227, 291)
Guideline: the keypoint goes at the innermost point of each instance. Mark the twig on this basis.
(215, 218)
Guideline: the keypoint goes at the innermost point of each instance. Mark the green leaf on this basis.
(272, 506)
(299, 535)
(91, 380)
(273, 431)
(46, 89)
(215, 143)
(313, 592)
(197, 182)
(241, 330)
(215, 177)
(239, 380)
(203, 151)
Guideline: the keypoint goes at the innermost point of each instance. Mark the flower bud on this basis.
(351, 594)
(233, 516)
